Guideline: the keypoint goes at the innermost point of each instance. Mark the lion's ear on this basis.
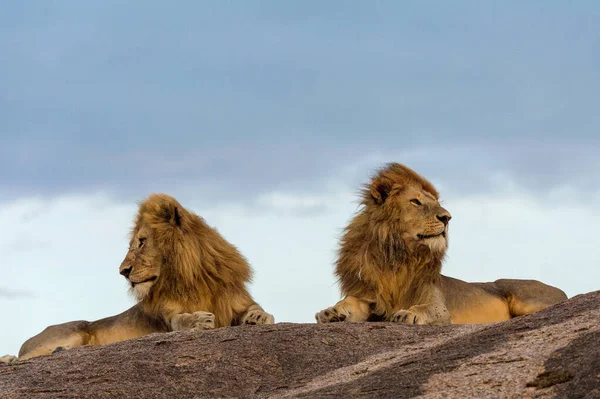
(380, 189)
(162, 208)
(171, 214)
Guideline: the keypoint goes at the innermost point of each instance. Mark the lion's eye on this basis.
(416, 202)
(142, 241)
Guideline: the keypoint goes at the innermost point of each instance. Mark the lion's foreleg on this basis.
(350, 309)
(256, 315)
(192, 321)
(8, 359)
(431, 310)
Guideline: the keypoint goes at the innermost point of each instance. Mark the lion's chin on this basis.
(142, 290)
(437, 244)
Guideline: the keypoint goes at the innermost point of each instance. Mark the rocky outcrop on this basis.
(553, 353)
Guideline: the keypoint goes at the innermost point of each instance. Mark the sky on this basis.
(265, 118)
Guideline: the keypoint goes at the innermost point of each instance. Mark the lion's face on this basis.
(141, 266)
(412, 213)
(424, 220)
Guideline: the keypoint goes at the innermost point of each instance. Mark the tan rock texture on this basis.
(551, 354)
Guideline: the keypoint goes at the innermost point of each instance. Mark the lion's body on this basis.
(390, 259)
(474, 303)
(185, 275)
(132, 323)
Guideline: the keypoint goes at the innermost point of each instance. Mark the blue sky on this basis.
(253, 94)
(275, 112)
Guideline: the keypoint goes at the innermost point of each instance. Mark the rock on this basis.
(553, 353)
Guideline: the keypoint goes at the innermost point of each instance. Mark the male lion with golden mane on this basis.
(184, 274)
(390, 259)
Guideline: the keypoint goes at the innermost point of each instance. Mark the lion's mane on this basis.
(373, 261)
(198, 265)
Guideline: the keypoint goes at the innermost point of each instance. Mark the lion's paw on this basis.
(332, 315)
(193, 321)
(258, 317)
(8, 359)
(407, 317)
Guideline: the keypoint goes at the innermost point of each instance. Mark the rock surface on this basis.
(553, 353)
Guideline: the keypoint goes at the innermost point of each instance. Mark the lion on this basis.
(184, 275)
(390, 258)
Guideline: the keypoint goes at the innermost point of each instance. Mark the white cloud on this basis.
(520, 236)
(10, 294)
(66, 251)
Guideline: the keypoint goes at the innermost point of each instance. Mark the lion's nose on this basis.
(125, 272)
(444, 218)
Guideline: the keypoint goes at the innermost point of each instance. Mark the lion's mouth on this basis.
(425, 236)
(134, 283)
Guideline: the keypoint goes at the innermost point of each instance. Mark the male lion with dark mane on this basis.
(390, 259)
(184, 274)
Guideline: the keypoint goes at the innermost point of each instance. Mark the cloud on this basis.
(14, 294)
(519, 235)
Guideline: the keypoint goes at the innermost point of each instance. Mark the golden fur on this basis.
(184, 274)
(390, 259)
